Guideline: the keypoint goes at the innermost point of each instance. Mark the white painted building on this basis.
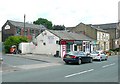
(50, 41)
(103, 40)
(46, 43)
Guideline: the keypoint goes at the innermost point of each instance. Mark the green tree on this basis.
(58, 27)
(45, 22)
(13, 40)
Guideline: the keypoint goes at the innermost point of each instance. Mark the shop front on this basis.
(74, 45)
(66, 46)
(78, 45)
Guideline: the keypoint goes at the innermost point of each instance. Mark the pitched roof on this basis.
(69, 28)
(71, 36)
(27, 25)
(99, 29)
(106, 26)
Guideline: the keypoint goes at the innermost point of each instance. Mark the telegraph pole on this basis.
(24, 24)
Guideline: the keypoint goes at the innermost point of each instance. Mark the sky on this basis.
(60, 12)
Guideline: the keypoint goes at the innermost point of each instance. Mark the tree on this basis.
(58, 27)
(45, 22)
(13, 40)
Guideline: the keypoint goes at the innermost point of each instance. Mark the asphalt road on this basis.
(105, 71)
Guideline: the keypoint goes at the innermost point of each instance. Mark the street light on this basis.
(24, 24)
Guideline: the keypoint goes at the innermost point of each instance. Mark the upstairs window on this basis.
(37, 32)
(26, 32)
(18, 31)
(31, 31)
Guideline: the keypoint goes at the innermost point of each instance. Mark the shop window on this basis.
(68, 48)
(75, 48)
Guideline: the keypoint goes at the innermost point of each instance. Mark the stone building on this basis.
(15, 28)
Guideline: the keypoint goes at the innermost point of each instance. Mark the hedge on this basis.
(13, 40)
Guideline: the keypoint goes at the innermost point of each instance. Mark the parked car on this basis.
(98, 55)
(76, 57)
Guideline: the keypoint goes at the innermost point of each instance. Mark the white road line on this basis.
(108, 65)
(79, 73)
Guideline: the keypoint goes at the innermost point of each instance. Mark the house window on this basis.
(31, 31)
(37, 32)
(99, 36)
(26, 32)
(117, 42)
(18, 32)
(57, 42)
(102, 36)
(41, 30)
(44, 43)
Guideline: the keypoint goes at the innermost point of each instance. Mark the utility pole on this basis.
(24, 24)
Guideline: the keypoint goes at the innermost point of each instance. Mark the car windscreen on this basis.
(82, 54)
(94, 52)
(73, 53)
(102, 53)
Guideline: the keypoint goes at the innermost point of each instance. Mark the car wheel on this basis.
(100, 59)
(79, 61)
(105, 59)
(66, 62)
(91, 60)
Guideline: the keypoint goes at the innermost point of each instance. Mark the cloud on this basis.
(67, 12)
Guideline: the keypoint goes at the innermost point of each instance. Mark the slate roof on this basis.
(99, 29)
(95, 27)
(27, 25)
(71, 36)
(69, 28)
(106, 26)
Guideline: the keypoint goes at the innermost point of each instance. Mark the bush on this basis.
(13, 40)
(117, 49)
(112, 50)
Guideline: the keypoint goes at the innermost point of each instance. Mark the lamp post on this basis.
(24, 24)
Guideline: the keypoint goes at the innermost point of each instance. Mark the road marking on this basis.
(108, 65)
(79, 73)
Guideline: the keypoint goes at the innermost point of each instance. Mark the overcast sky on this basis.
(60, 12)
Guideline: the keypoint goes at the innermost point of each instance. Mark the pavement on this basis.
(39, 57)
(44, 61)
(8, 68)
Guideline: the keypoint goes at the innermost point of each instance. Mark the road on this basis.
(105, 71)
